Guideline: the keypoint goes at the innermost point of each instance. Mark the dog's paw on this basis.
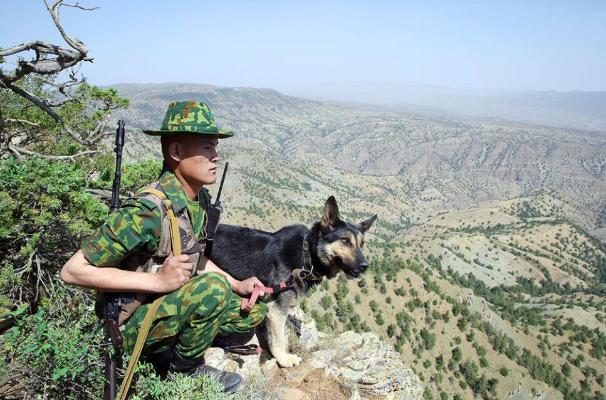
(288, 360)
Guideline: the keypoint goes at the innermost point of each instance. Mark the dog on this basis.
(330, 246)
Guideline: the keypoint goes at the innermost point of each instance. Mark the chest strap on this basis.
(175, 239)
(175, 235)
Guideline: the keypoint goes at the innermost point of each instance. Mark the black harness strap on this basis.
(301, 276)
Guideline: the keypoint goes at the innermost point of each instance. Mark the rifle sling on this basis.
(175, 238)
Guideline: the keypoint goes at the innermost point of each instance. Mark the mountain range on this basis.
(571, 109)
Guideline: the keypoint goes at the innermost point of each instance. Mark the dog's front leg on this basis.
(276, 336)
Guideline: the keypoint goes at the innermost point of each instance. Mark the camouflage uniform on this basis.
(188, 318)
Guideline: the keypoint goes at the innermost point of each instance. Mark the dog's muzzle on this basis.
(364, 266)
(358, 271)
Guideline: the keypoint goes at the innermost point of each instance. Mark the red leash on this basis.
(247, 304)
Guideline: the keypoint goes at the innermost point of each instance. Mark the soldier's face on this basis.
(199, 159)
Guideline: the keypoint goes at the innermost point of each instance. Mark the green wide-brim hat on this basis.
(190, 118)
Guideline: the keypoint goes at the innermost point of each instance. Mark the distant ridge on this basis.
(574, 109)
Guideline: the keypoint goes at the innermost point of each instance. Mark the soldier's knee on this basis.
(262, 310)
(219, 281)
(258, 313)
(215, 285)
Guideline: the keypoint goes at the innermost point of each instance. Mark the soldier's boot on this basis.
(160, 361)
(179, 364)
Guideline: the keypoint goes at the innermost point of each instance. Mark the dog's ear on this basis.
(365, 225)
(331, 213)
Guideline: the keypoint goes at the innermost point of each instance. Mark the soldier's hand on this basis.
(245, 288)
(175, 271)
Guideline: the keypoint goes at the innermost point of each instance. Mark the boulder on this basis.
(360, 364)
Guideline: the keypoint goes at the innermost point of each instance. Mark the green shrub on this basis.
(45, 212)
(457, 354)
(57, 350)
(326, 301)
(566, 370)
(134, 176)
(429, 339)
(180, 387)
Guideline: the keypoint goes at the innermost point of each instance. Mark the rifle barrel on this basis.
(118, 175)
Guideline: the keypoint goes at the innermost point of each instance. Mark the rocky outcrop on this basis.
(346, 366)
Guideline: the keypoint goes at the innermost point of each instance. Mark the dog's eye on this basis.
(345, 242)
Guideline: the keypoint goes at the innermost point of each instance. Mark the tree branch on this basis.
(73, 42)
(104, 195)
(41, 64)
(19, 150)
(86, 128)
(20, 121)
(91, 137)
(77, 5)
(33, 98)
(35, 45)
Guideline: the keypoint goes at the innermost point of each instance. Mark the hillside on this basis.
(501, 301)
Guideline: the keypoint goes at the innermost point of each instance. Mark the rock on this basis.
(361, 365)
(322, 358)
(349, 340)
(214, 356)
(378, 370)
(249, 365)
(355, 395)
(367, 363)
(293, 394)
(305, 328)
(269, 366)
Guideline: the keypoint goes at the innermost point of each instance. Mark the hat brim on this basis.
(220, 134)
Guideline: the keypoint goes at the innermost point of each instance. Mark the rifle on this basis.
(110, 308)
(213, 214)
(118, 174)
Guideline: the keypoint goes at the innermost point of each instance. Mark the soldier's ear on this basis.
(174, 151)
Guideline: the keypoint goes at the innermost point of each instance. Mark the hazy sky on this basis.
(541, 45)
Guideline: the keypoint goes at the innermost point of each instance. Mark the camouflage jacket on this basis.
(137, 236)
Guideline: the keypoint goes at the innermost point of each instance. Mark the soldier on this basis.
(136, 240)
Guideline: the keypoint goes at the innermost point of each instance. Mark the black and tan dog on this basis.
(330, 246)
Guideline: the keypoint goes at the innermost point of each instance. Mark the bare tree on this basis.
(35, 81)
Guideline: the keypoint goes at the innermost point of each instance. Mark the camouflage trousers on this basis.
(189, 318)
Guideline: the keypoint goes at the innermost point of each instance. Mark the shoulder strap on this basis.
(153, 308)
(141, 337)
(175, 236)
